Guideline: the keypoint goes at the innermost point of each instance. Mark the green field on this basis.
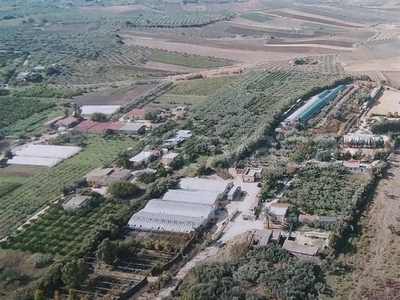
(257, 17)
(187, 60)
(171, 100)
(45, 187)
(205, 86)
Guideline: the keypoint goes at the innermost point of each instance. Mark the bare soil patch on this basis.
(114, 8)
(63, 29)
(311, 19)
(227, 51)
(334, 43)
(172, 7)
(239, 30)
(389, 102)
(168, 67)
(20, 171)
(107, 98)
(393, 78)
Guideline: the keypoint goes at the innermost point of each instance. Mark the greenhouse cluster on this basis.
(182, 210)
(42, 155)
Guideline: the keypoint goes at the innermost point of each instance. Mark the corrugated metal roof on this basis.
(201, 197)
(178, 208)
(132, 127)
(163, 222)
(204, 184)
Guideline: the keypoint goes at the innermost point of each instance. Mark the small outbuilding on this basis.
(168, 158)
(279, 210)
(135, 128)
(301, 250)
(136, 113)
(143, 156)
(75, 202)
(67, 122)
(252, 174)
(234, 193)
(260, 238)
(103, 177)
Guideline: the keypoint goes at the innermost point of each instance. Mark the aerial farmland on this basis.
(199, 149)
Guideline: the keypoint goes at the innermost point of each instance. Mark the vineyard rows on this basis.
(389, 37)
(374, 75)
(177, 19)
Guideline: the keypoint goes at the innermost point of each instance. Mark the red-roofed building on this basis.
(85, 125)
(136, 113)
(307, 218)
(100, 127)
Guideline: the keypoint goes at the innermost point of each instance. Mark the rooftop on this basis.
(261, 237)
(294, 247)
(132, 127)
(85, 125)
(105, 109)
(201, 197)
(351, 163)
(252, 171)
(136, 112)
(204, 184)
(76, 201)
(279, 209)
(143, 156)
(170, 155)
(67, 121)
(178, 208)
(305, 217)
(100, 127)
(164, 222)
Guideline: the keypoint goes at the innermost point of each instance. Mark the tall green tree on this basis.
(74, 273)
(106, 251)
(123, 189)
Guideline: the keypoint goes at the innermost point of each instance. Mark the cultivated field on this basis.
(117, 96)
(46, 186)
(389, 102)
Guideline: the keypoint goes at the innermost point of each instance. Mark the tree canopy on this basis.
(123, 189)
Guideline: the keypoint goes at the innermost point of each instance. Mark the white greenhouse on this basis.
(179, 208)
(163, 222)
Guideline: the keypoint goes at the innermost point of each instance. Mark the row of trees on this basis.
(264, 273)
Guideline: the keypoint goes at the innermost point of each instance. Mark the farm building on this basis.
(103, 177)
(168, 158)
(297, 249)
(75, 202)
(307, 218)
(260, 238)
(360, 140)
(164, 222)
(88, 110)
(101, 127)
(85, 125)
(136, 113)
(135, 128)
(355, 166)
(143, 156)
(252, 174)
(211, 185)
(195, 210)
(279, 210)
(66, 122)
(234, 193)
(313, 106)
(200, 197)
(327, 219)
(42, 155)
(179, 138)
